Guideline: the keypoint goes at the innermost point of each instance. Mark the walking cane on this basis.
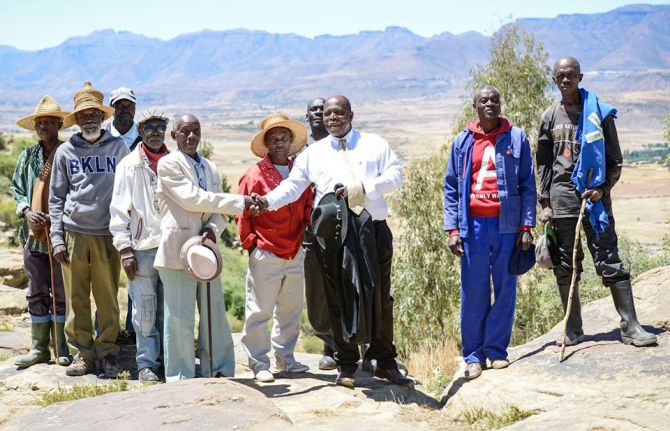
(209, 329)
(578, 232)
(53, 299)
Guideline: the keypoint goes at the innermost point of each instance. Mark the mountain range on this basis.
(626, 49)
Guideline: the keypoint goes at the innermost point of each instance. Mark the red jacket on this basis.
(280, 231)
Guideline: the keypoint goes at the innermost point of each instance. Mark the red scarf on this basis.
(154, 157)
(270, 172)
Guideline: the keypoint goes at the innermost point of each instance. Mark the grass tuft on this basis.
(480, 418)
(434, 364)
(78, 392)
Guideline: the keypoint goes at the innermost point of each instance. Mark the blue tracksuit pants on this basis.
(486, 328)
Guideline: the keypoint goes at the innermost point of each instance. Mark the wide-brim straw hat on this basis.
(86, 98)
(47, 107)
(201, 259)
(279, 120)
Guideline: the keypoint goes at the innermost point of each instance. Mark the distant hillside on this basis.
(221, 67)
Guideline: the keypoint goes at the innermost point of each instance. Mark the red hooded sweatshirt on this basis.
(484, 201)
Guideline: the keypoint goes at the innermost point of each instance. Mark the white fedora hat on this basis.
(201, 259)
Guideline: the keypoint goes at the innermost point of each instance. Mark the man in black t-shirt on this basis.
(557, 152)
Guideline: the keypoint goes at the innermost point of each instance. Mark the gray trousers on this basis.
(274, 290)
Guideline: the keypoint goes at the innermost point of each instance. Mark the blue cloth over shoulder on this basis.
(592, 155)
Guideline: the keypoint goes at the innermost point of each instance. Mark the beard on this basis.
(91, 135)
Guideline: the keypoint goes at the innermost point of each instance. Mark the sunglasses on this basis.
(148, 128)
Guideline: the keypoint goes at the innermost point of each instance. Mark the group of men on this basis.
(312, 212)
(114, 196)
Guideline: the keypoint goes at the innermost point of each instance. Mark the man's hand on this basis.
(456, 245)
(61, 255)
(546, 215)
(525, 239)
(341, 191)
(130, 267)
(207, 233)
(255, 204)
(36, 218)
(593, 194)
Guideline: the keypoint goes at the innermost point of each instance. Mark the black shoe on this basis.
(346, 379)
(394, 376)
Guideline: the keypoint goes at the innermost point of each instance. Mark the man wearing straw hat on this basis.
(81, 187)
(192, 204)
(135, 226)
(273, 239)
(30, 185)
(574, 134)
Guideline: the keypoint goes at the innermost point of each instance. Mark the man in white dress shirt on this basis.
(368, 169)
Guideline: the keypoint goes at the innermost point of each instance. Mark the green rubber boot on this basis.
(39, 352)
(64, 357)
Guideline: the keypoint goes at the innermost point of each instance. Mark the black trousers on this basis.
(604, 250)
(381, 348)
(315, 293)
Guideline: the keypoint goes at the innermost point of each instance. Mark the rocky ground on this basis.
(602, 385)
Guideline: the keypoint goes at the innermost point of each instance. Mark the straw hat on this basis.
(89, 97)
(279, 120)
(48, 107)
(201, 259)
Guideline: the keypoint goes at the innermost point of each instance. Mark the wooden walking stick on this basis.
(209, 328)
(578, 232)
(53, 299)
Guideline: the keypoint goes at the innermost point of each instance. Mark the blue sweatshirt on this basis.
(82, 181)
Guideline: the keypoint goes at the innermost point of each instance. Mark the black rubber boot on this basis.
(574, 331)
(631, 330)
(39, 351)
(64, 357)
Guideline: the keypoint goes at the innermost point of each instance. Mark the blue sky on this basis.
(30, 24)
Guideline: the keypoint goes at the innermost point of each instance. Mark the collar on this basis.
(349, 137)
(132, 132)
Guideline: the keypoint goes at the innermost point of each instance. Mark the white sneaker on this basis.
(291, 367)
(264, 376)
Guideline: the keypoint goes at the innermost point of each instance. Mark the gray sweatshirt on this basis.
(82, 181)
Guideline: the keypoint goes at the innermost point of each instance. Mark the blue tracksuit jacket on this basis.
(516, 182)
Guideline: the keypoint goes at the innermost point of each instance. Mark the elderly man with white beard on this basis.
(82, 180)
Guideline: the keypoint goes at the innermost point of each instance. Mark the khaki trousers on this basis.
(94, 267)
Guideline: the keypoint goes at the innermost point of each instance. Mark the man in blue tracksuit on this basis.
(489, 206)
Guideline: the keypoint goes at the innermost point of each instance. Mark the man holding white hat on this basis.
(273, 239)
(30, 186)
(135, 226)
(191, 204)
(82, 180)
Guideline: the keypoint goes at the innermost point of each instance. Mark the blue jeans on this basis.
(180, 293)
(146, 291)
(486, 329)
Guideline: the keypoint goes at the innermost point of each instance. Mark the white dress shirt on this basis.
(376, 166)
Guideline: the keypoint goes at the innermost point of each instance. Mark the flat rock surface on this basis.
(190, 404)
(308, 400)
(601, 384)
(12, 300)
(11, 268)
